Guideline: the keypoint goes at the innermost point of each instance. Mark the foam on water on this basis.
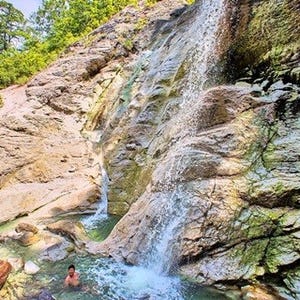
(118, 281)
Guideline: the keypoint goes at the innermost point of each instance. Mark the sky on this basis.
(26, 6)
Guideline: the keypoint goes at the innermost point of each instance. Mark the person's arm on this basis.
(76, 281)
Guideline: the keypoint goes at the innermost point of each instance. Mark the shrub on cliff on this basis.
(55, 25)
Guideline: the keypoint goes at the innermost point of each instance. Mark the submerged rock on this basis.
(43, 295)
(31, 268)
(17, 263)
(260, 292)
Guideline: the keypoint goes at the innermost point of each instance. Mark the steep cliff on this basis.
(50, 164)
(195, 117)
(216, 173)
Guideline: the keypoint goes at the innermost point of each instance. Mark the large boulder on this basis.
(73, 230)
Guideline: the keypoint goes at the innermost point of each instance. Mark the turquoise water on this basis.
(101, 229)
(106, 279)
(103, 278)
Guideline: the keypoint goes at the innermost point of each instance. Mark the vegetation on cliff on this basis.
(55, 25)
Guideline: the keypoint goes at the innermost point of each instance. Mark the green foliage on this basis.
(17, 66)
(150, 2)
(12, 22)
(57, 18)
(56, 25)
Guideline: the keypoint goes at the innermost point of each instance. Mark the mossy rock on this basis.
(256, 222)
(281, 251)
(271, 39)
(292, 282)
(128, 188)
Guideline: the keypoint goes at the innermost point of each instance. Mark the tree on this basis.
(48, 13)
(55, 25)
(12, 22)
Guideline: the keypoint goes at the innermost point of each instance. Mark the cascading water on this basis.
(174, 202)
(101, 212)
(202, 57)
(160, 255)
(170, 200)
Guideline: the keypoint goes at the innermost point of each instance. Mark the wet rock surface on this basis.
(228, 161)
(73, 230)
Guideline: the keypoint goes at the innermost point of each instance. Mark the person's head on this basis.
(71, 270)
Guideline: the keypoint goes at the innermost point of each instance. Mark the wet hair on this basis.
(71, 267)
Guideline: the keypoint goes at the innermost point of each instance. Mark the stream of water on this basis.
(173, 202)
(101, 213)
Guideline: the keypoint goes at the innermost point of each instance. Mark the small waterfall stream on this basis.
(202, 57)
(162, 252)
(173, 204)
(101, 212)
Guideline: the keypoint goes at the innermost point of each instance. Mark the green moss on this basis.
(272, 34)
(128, 44)
(140, 24)
(127, 90)
(97, 110)
(253, 253)
(256, 222)
(128, 187)
(281, 251)
(1, 101)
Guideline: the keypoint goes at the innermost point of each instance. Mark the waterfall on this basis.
(203, 35)
(161, 255)
(173, 202)
(101, 212)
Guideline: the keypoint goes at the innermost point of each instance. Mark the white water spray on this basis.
(202, 56)
(173, 203)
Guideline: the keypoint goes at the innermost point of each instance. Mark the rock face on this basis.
(205, 174)
(51, 167)
(5, 268)
(215, 173)
(74, 231)
(270, 48)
